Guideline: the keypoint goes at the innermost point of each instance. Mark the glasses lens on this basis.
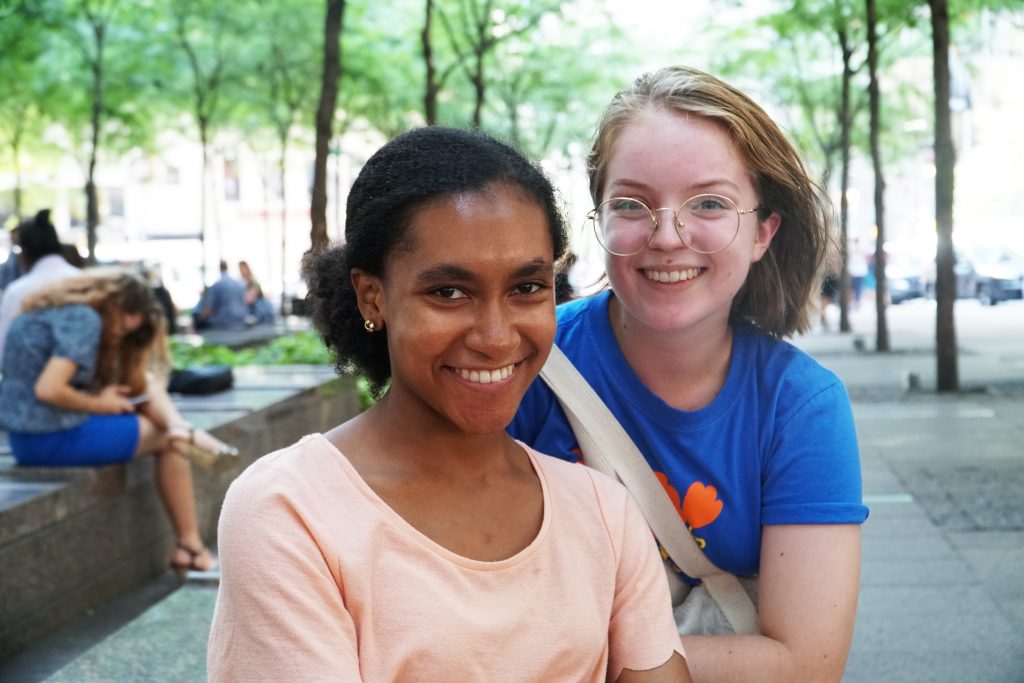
(709, 223)
(623, 226)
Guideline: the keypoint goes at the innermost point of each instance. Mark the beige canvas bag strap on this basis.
(609, 449)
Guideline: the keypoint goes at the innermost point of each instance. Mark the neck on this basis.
(424, 445)
(685, 368)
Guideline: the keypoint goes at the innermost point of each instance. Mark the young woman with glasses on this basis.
(715, 236)
(418, 541)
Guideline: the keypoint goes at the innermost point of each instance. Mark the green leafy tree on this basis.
(474, 28)
(276, 85)
(25, 82)
(109, 55)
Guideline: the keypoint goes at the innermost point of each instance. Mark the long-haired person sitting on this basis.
(82, 385)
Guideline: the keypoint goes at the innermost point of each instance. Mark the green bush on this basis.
(302, 348)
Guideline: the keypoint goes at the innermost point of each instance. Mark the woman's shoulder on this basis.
(79, 319)
(287, 473)
(780, 361)
(583, 484)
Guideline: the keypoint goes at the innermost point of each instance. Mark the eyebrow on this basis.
(457, 273)
(703, 186)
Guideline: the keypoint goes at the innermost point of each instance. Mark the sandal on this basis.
(208, 455)
(183, 568)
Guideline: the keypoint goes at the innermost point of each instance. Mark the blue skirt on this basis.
(102, 440)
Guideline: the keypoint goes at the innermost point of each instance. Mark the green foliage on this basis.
(303, 348)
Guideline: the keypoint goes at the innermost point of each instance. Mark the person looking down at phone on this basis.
(82, 385)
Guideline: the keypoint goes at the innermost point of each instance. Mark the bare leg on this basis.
(174, 483)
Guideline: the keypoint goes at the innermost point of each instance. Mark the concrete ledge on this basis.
(72, 539)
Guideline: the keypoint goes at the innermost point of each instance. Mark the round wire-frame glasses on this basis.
(705, 223)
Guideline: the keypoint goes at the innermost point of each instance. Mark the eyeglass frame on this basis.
(680, 227)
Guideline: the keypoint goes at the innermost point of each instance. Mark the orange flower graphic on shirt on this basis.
(699, 507)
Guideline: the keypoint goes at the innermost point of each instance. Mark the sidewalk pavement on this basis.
(942, 595)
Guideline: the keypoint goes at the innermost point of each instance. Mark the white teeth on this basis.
(486, 376)
(672, 275)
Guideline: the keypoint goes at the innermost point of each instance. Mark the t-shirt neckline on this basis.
(412, 532)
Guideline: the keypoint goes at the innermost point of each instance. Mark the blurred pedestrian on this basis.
(222, 306)
(857, 267)
(11, 269)
(43, 261)
(260, 309)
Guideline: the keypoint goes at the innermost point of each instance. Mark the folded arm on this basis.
(807, 601)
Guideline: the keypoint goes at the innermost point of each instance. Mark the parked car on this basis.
(989, 273)
(903, 276)
(998, 274)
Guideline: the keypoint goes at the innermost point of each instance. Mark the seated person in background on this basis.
(418, 541)
(77, 355)
(223, 304)
(11, 269)
(43, 262)
(163, 296)
(260, 308)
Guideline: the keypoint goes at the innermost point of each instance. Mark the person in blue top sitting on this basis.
(82, 387)
(223, 304)
(714, 238)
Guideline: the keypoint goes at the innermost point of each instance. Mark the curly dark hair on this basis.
(413, 169)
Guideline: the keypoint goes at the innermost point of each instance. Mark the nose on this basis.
(667, 235)
(494, 332)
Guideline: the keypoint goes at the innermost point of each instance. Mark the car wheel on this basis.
(985, 297)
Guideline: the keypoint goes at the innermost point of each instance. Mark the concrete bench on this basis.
(251, 336)
(71, 539)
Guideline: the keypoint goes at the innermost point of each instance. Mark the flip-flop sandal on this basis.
(206, 457)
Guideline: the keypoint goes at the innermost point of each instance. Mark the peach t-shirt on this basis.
(321, 580)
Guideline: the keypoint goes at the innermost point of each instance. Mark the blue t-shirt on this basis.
(71, 332)
(226, 299)
(776, 446)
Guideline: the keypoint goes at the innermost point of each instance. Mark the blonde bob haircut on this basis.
(124, 360)
(780, 289)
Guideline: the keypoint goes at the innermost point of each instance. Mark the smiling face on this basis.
(468, 306)
(663, 159)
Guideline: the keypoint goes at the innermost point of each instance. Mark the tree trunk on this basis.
(845, 124)
(881, 326)
(281, 174)
(92, 211)
(203, 194)
(16, 154)
(478, 89)
(324, 121)
(431, 87)
(947, 375)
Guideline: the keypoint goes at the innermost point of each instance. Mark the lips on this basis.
(669, 276)
(485, 376)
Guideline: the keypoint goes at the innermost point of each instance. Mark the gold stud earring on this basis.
(369, 326)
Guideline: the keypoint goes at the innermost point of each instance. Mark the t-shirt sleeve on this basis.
(642, 634)
(280, 614)
(76, 335)
(813, 471)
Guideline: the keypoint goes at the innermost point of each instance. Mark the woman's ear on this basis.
(766, 230)
(370, 296)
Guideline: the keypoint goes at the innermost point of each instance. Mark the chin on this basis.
(483, 424)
